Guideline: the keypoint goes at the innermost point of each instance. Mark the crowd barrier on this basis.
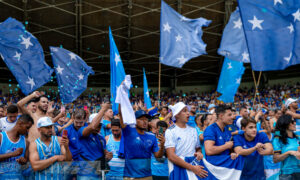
(60, 170)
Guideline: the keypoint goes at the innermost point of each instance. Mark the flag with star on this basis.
(147, 100)
(272, 31)
(23, 55)
(117, 72)
(230, 79)
(233, 43)
(180, 37)
(71, 73)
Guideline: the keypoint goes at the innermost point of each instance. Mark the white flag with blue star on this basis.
(180, 37)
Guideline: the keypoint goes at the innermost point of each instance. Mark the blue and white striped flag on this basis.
(223, 167)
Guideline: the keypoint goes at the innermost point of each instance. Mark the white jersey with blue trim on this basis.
(185, 140)
(5, 125)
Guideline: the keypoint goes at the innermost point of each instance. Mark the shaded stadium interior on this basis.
(82, 27)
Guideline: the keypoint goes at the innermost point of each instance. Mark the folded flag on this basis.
(23, 55)
(272, 30)
(123, 99)
(223, 167)
(71, 73)
(180, 37)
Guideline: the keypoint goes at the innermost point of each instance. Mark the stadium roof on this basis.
(82, 27)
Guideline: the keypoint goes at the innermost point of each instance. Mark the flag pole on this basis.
(159, 73)
(256, 84)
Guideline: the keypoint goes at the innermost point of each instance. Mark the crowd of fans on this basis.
(38, 133)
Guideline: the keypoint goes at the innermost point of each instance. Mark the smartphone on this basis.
(65, 133)
(161, 130)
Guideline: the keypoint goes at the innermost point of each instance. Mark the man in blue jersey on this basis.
(159, 166)
(79, 121)
(217, 138)
(92, 147)
(138, 147)
(106, 122)
(292, 107)
(46, 151)
(253, 146)
(116, 164)
(243, 114)
(13, 148)
(192, 117)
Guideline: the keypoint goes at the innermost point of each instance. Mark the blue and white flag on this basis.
(230, 79)
(71, 73)
(180, 37)
(272, 30)
(117, 72)
(223, 167)
(233, 43)
(147, 100)
(23, 55)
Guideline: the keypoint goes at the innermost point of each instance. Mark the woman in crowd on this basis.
(286, 145)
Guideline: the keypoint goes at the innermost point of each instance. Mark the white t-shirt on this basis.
(185, 140)
(5, 125)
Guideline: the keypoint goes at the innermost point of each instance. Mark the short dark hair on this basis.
(246, 121)
(161, 108)
(243, 107)
(12, 108)
(162, 124)
(116, 122)
(56, 112)
(33, 100)
(39, 98)
(222, 109)
(2, 106)
(26, 118)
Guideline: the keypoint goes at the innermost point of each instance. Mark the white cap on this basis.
(44, 122)
(92, 116)
(289, 101)
(177, 108)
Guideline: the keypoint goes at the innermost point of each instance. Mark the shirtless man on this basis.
(41, 111)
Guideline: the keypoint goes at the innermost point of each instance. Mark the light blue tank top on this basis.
(9, 168)
(116, 164)
(45, 152)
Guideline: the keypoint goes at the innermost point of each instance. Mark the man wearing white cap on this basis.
(182, 145)
(47, 150)
(292, 106)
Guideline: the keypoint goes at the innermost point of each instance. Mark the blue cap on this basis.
(141, 113)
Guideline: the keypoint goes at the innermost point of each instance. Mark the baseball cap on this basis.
(289, 101)
(44, 122)
(211, 106)
(177, 108)
(141, 113)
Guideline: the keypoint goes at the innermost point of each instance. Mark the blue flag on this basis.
(147, 100)
(272, 30)
(230, 79)
(233, 43)
(117, 72)
(23, 55)
(71, 73)
(180, 37)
